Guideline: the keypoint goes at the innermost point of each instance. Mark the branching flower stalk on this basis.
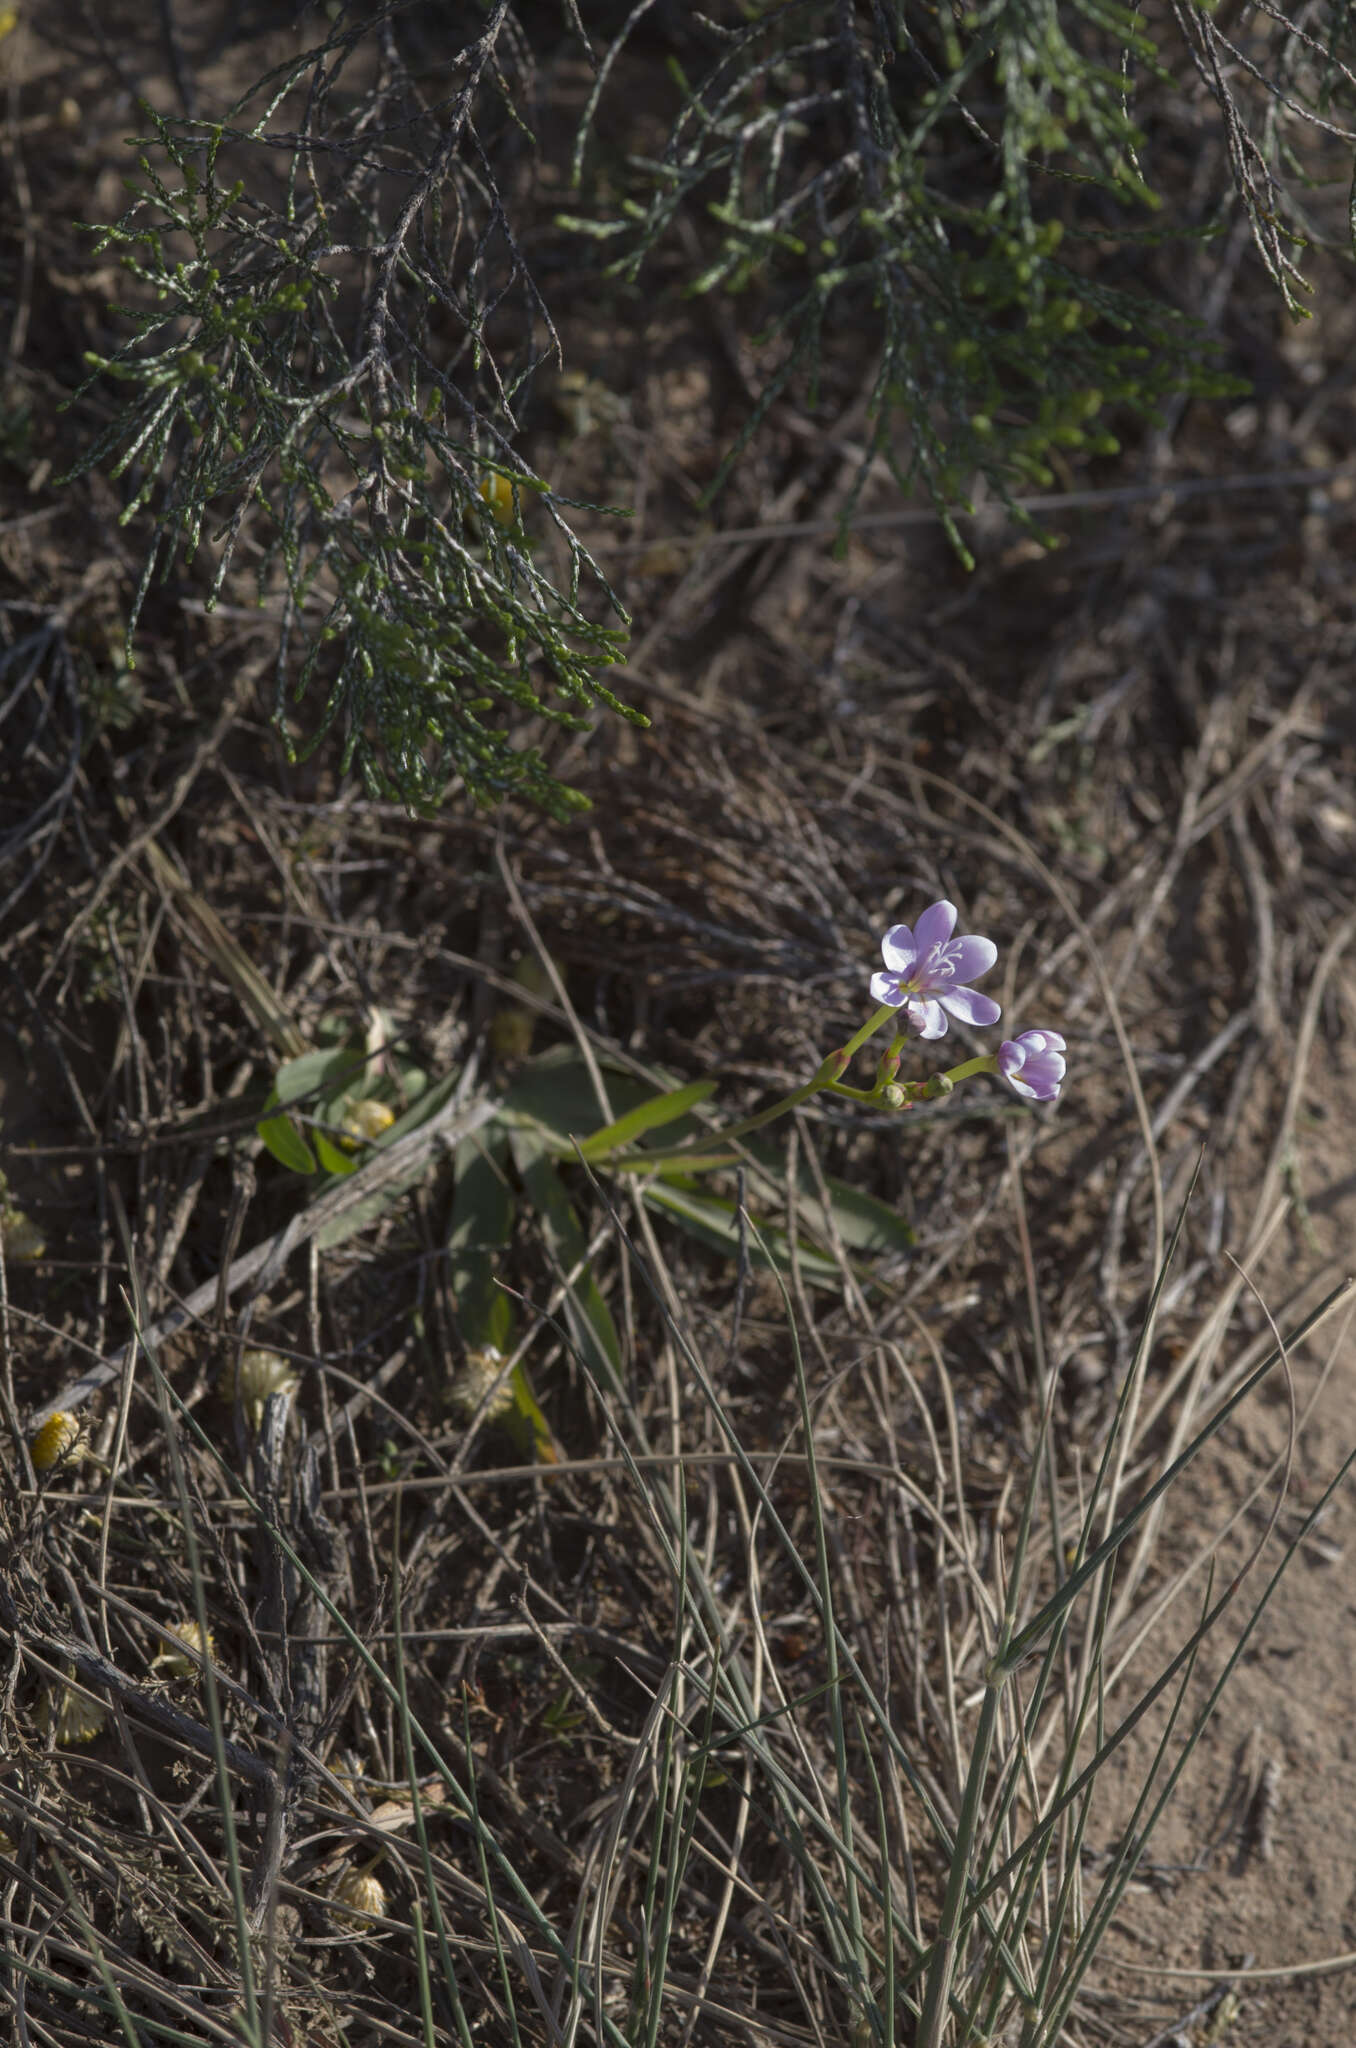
(924, 981)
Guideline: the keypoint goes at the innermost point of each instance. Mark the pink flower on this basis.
(1033, 1064)
(926, 971)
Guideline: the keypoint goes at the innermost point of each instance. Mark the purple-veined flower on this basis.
(1033, 1064)
(926, 972)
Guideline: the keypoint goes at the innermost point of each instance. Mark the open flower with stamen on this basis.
(1032, 1064)
(927, 973)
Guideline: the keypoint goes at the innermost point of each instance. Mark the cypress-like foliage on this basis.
(335, 327)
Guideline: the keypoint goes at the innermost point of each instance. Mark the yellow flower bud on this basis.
(54, 1440)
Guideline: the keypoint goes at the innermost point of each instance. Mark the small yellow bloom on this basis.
(366, 1120)
(172, 1659)
(54, 1441)
(497, 492)
(358, 1892)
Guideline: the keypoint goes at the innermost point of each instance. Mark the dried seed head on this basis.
(359, 1890)
(476, 1379)
(70, 1716)
(259, 1374)
(367, 1119)
(172, 1659)
(54, 1441)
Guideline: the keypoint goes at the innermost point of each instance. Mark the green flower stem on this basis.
(827, 1080)
(826, 1077)
(855, 1094)
(985, 1064)
(868, 1030)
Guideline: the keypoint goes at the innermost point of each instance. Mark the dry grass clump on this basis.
(667, 1735)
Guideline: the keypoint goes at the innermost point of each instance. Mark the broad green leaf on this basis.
(282, 1138)
(318, 1074)
(651, 1115)
(588, 1315)
(481, 1226)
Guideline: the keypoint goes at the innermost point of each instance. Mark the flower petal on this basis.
(935, 926)
(885, 989)
(898, 949)
(970, 957)
(927, 1018)
(969, 1005)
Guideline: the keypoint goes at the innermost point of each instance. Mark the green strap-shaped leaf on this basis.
(646, 1116)
(482, 1224)
(588, 1315)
